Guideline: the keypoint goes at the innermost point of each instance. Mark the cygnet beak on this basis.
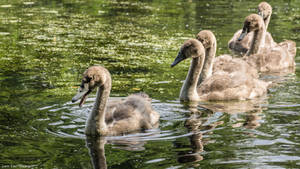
(180, 57)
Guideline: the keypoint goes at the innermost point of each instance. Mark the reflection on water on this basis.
(201, 123)
(46, 45)
(97, 151)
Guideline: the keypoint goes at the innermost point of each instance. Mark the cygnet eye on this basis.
(86, 80)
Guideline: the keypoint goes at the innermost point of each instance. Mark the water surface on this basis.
(46, 45)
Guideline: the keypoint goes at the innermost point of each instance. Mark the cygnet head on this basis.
(191, 48)
(93, 77)
(207, 38)
(264, 10)
(252, 22)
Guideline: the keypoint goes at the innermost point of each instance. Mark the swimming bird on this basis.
(265, 59)
(225, 62)
(241, 47)
(131, 114)
(218, 86)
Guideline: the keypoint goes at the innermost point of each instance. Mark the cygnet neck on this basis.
(189, 88)
(96, 122)
(208, 63)
(258, 41)
(267, 21)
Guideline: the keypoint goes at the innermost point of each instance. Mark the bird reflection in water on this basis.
(201, 122)
(96, 146)
(252, 119)
(250, 110)
(195, 124)
(97, 151)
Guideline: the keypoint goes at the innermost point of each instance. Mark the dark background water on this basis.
(46, 45)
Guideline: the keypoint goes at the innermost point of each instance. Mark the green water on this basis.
(46, 45)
